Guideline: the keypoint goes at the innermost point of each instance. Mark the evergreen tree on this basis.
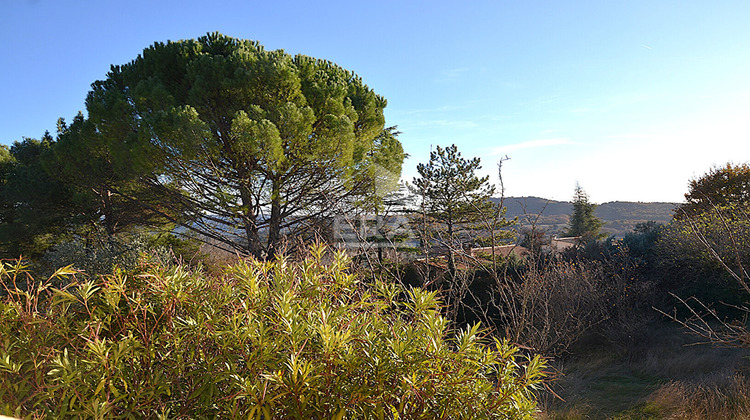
(241, 143)
(452, 195)
(583, 223)
(106, 185)
(36, 207)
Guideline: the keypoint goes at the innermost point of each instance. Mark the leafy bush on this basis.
(266, 340)
(99, 252)
(698, 253)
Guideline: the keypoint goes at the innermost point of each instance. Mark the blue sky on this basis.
(629, 98)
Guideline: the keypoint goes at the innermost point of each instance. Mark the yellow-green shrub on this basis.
(268, 340)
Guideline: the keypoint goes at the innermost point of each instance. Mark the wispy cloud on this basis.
(533, 144)
(445, 108)
(630, 136)
(451, 75)
(461, 124)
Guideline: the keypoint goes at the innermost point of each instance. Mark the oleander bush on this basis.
(266, 340)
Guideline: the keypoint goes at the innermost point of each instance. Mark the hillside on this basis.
(620, 217)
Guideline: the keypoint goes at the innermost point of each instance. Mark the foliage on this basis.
(452, 193)
(555, 301)
(105, 186)
(692, 251)
(54, 190)
(719, 187)
(534, 239)
(452, 197)
(36, 207)
(714, 240)
(267, 340)
(583, 222)
(100, 253)
(641, 242)
(241, 143)
(711, 252)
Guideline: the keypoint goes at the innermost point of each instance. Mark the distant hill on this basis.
(620, 217)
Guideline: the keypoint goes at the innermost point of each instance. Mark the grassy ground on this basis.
(665, 375)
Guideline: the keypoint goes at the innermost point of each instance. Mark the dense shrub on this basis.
(641, 242)
(267, 340)
(99, 252)
(697, 254)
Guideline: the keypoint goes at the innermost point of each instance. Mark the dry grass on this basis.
(665, 376)
(728, 399)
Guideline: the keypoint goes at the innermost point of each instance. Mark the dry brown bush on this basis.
(683, 400)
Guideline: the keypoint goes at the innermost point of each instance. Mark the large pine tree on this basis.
(241, 143)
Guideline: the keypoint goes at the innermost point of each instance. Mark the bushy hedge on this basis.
(305, 340)
(698, 251)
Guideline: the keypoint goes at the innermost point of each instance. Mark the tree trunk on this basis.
(274, 226)
(451, 254)
(254, 244)
(107, 211)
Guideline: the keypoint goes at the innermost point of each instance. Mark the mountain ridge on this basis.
(620, 217)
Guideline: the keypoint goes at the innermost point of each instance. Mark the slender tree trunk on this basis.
(274, 226)
(109, 223)
(451, 254)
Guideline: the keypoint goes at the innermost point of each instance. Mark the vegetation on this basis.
(583, 223)
(105, 179)
(665, 375)
(36, 208)
(719, 187)
(216, 150)
(620, 217)
(217, 135)
(244, 140)
(265, 340)
(452, 196)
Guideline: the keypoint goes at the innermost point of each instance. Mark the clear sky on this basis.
(629, 98)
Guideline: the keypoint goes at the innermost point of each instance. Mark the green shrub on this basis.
(99, 252)
(267, 340)
(698, 251)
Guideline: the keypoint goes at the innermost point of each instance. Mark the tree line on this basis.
(221, 140)
(216, 135)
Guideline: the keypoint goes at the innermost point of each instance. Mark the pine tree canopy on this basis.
(240, 144)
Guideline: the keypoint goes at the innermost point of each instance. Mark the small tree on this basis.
(452, 195)
(583, 222)
(36, 207)
(709, 239)
(107, 187)
(720, 186)
(709, 254)
(710, 229)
